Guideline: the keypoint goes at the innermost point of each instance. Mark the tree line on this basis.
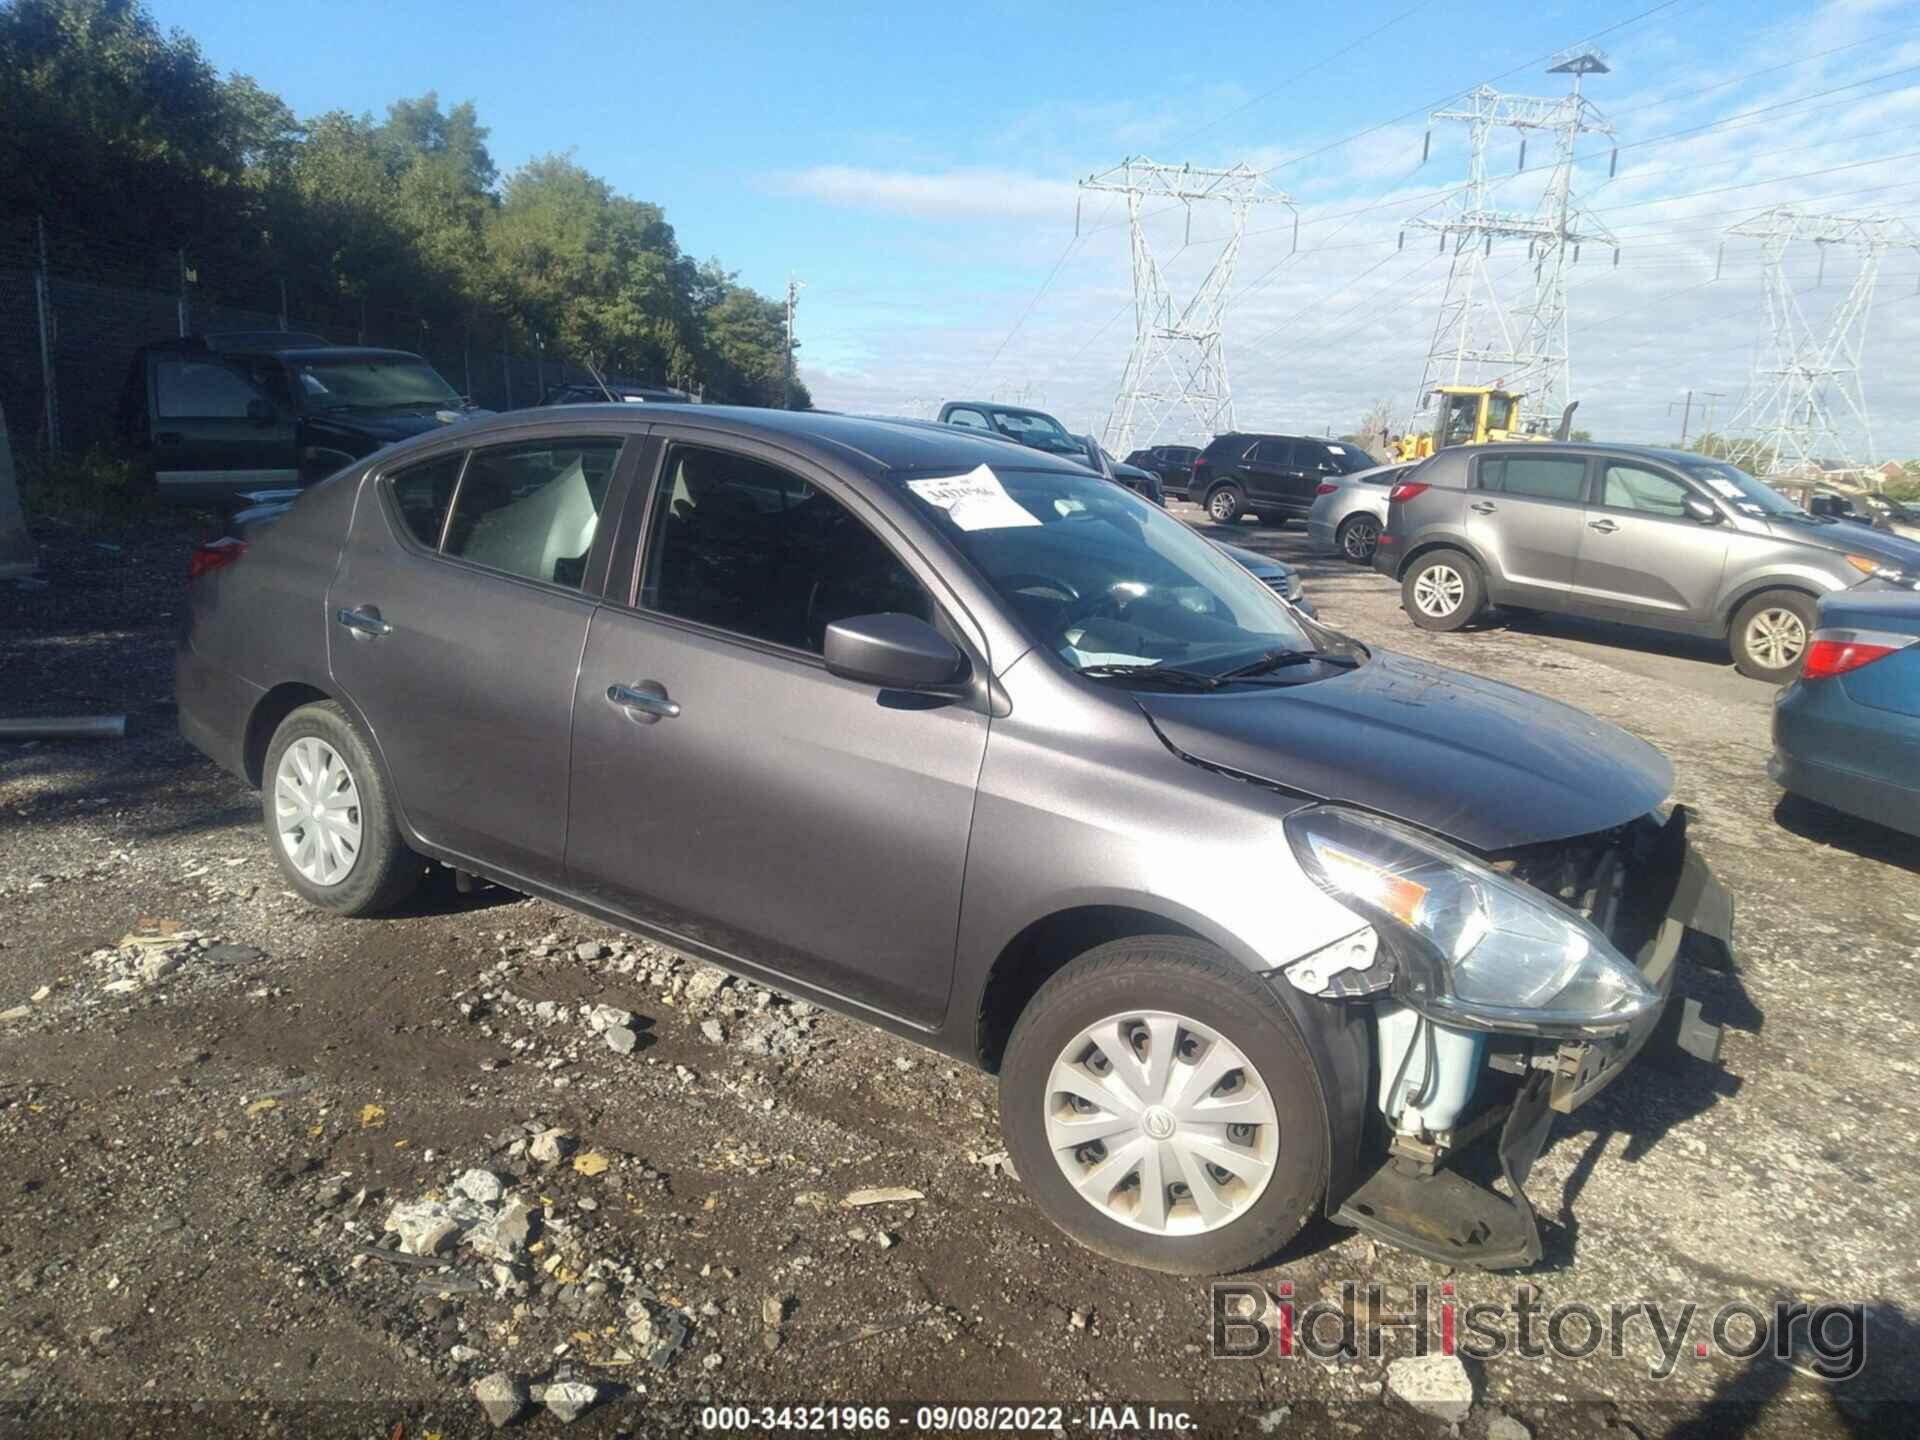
(131, 134)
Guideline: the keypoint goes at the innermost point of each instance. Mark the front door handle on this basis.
(1483, 507)
(364, 623)
(645, 702)
(1605, 527)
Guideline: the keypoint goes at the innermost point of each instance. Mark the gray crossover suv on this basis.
(959, 739)
(1662, 538)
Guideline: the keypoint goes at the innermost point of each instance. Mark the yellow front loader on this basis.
(1476, 415)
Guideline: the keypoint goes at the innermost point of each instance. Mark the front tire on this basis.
(1225, 504)
(1770, 635)
(1197, 1146)
(1442, 590)
(1358, 537)
(328, 816)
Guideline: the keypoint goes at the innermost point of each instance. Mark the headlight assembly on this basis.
(1474, 947)
(1893, 575)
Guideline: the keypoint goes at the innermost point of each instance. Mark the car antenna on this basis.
(605, 389)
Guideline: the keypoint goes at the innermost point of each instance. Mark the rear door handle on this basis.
(364, 623)
(1483, 507)
(647, 701)
(1605, 527)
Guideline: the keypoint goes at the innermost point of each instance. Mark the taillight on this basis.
(215, 555)
(1836, 652)
(1199, 460)
(1326, 489)
(1406, 490)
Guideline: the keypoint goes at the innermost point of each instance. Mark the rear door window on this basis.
(1273, 452)
(533, 509)
(200, 390)
(1545, 477)
(968, 419)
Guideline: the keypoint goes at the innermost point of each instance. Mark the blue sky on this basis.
(915, 167)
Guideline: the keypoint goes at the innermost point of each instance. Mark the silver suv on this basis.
(960, 738)
(1662, 538)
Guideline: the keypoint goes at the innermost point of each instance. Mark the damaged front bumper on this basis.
(1422, 1200)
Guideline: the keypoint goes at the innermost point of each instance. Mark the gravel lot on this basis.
(206, 1128)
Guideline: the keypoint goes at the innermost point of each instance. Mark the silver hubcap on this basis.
(316, 809)
(1222, 506)
(1161, 1123)
(1775, 638)
(1361, 535)
(1439, 590)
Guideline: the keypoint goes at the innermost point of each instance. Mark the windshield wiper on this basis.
(1178, 679)
(1277, 659)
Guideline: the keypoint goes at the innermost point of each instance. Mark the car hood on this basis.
(374, 428)
(1484, 764)
(1261, 565)
(1859, 539)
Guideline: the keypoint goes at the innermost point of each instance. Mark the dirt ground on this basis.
(206, 1129)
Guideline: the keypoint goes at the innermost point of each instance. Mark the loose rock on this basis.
(549, 1147)
(1436, 1385)
(621, 1039)
(568, 1400)
(482, 1187)
(501, 1396)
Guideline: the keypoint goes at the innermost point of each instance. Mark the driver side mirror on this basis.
(1700, 511)
(259, 411)
(893, 651)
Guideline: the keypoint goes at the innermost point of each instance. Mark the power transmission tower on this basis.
(1177, 363)
(1786, 417)
(794, 287)
(1476, 333)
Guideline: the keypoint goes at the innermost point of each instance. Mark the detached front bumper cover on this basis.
(1453, 1219)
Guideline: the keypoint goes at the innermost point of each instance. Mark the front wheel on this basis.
(1442, 590)
(1162, 1108)
(328, 817)
(1358, 537)
(1770, 635)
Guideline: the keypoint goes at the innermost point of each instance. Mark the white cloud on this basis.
(972, 193)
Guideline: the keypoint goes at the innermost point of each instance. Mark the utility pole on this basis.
(1685, 415)
(43, 305)
(1178, 361)
(794, 287)
(185, 310)
(1786, 416)
(1476, 332)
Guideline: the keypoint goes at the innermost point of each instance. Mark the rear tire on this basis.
(1358, 537)
(1224, 504)
(1442, 590)
(1211, 1015)
(328, 816)
(1770, 635)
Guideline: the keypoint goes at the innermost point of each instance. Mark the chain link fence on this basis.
(75, 306)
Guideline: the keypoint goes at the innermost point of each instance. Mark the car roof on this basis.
(997, 405)
(871, 443)
(1664, 453)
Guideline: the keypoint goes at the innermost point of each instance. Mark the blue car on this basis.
(1847, 733)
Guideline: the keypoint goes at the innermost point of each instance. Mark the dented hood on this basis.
(1484, 764)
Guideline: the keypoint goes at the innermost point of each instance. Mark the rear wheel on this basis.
(1770, 635)
(1358, 535)
(1162, 1108)
(1225, 504)
(328, 817)
(1442, 590)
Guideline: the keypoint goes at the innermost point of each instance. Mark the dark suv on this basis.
(216, 415)
(1172, 463)
(1663, 538)
(1272, 476)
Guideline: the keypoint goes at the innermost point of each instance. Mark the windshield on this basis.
(372, 385)
(1746, 494)
(1040, 431)
(1102, 578)
(1499, 411)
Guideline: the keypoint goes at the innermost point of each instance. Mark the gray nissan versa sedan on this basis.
(960, 739)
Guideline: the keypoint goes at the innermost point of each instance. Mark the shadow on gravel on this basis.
(1860, 837)
(1619, 636)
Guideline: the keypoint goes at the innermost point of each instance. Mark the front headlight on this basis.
(1474, 947)
(1876, 570)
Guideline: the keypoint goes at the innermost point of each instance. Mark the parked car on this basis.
(216, 415)
(1276, 575)
(1668, 539)
(1172, 463)
(917, 726)
(1272, 476)
(1033, 428)
(1141, 482)
(1350, 511)
(1846, 734)
(630, 392)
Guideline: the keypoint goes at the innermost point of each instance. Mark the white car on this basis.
(1350, 511)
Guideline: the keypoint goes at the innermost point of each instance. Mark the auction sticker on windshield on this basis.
(976, 500)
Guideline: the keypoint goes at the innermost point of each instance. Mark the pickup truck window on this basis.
(200, 390)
